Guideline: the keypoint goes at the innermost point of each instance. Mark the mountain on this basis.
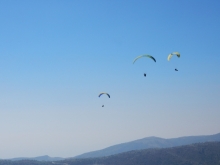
(207, 153)
(39, 158)
(195, 154)
(150, 142)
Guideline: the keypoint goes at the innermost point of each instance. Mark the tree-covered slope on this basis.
(150, 142)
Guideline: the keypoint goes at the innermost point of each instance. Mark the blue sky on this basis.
(57, 56)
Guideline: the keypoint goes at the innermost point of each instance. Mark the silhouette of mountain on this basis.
(39, 158)
(195, 154)
(150, 142)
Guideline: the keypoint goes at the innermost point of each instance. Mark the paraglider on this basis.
(149, 56)
(104, 94)
(171, 55)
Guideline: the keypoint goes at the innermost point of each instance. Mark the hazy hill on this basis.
(150, 142)
(39, 158)
(195, 154)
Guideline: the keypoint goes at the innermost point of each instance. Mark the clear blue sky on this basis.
(57, 56)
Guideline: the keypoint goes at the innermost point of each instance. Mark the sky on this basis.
(57, 56)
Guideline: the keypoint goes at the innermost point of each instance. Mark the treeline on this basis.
(195, 154)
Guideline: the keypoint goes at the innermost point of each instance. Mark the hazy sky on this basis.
(56, 56)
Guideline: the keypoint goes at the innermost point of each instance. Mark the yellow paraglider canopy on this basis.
(171, 55)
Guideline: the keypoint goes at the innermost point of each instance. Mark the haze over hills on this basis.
(150, 142)
(207, 153)
(38, 158)
(145, 143)
(195, 154)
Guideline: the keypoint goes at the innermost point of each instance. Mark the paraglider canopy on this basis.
(104, 93)
(149, 56)
(171, 55)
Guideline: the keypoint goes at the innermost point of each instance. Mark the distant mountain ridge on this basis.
(150, 142)
(145, 143)
(207, 153)
(38, 158)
